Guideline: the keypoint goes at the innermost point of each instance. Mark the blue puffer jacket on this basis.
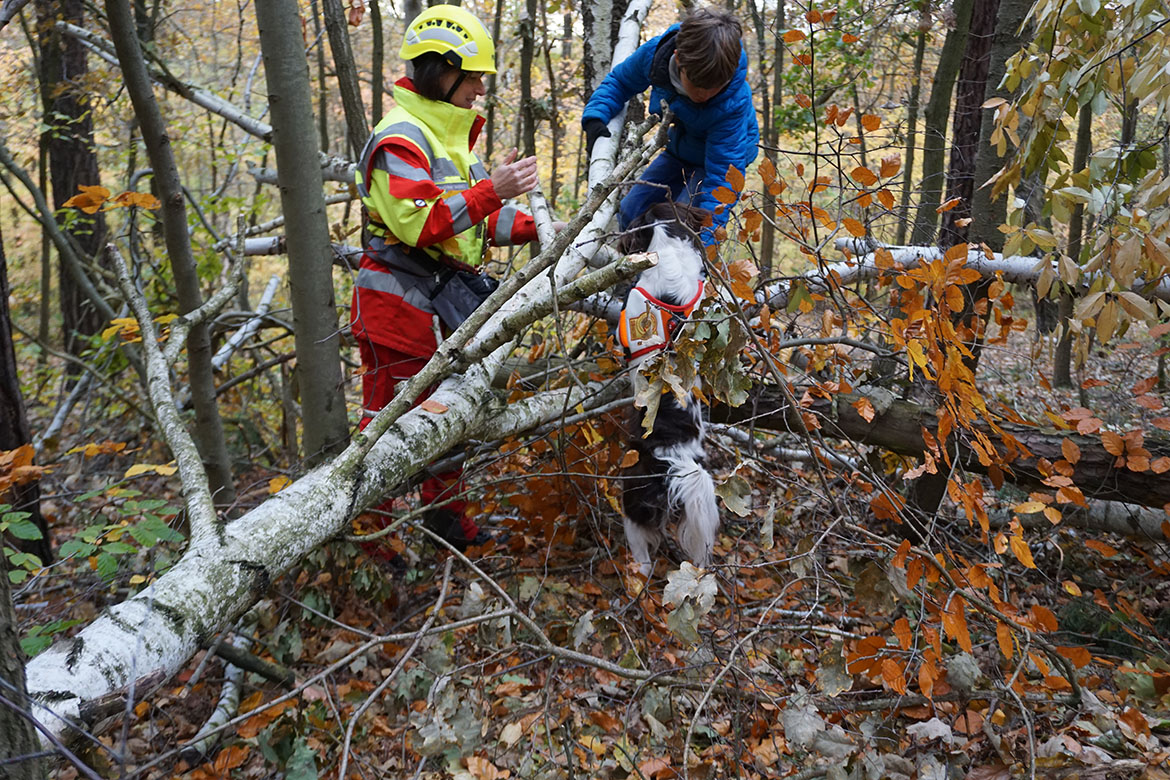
(714, 135)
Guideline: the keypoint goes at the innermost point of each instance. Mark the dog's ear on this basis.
(638, 234)
(694, 217)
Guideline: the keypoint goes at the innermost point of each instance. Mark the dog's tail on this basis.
(691, 490)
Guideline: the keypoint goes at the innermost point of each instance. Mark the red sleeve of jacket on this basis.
(523, 226)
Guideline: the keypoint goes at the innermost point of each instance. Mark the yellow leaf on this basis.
(1021, 551)
(277, 484)
(1029, 508)
(148, 468)
(1071, 588)
(593, 744)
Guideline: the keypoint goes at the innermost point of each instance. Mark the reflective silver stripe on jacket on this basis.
(504, 223)
(405, 129)
(413, 290)
(460, 214)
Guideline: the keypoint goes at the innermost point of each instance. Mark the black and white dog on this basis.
(669, 480)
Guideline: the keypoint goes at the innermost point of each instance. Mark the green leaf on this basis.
(75, 547)
(24, 529)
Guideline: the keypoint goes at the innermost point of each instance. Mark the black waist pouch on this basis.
(461, 293)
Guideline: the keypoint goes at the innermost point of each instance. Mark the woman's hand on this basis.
(514, 177)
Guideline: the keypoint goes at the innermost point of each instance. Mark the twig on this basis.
(200, 508)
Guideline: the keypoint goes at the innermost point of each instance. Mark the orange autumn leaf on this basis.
(1113, 443)
(871, 122)
(89, 200)
(849, 38)
(813, 16)
(1070, 451)
(903, 633)
(890, 166)
(735, 178)
(950, 204)
(855, 228)
(864, 176)
(629, 459)
(434, 407)
(1105, 549)
(893, 675)
(1003, 635)
(794, 36)
(864, 408)
(1079, 656)
(886, 198)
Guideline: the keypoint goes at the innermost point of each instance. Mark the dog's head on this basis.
(677, 219)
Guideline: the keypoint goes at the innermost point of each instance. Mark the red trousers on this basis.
(384, 368)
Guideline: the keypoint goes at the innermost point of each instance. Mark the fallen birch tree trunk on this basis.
(897, 426)
(1017, 269)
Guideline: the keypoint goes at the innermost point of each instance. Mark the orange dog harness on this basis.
(648, 323)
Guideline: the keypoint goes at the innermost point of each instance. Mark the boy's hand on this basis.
(594, 129)
(514, 177)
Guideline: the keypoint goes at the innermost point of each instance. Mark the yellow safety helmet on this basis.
(453, 32)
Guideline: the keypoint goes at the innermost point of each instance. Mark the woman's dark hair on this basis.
(429, 69)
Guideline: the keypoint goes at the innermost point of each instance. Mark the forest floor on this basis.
(806, 651)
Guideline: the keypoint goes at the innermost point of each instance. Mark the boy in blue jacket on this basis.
(699, 68)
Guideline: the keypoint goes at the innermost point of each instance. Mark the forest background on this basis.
(933, 359)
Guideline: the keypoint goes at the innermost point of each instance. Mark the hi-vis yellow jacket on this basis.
(428, 198)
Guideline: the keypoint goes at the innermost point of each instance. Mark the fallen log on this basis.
(897, 426)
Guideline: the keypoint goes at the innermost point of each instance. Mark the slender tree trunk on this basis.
(18, 737)
(1062, 358)
(310, 257)
(912, 123)
(554, 119)
(527, 55)
(357, 128)
(208, 425)
(377, 61)
(322, 89)
(492, 85)
(14, 430)
(771, 96)
(934, 128)
(994, 38)
(72, 159)
(967, 121)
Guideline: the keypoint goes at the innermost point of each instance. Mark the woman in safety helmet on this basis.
(433, 209)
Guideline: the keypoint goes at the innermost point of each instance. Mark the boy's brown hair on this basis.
(708, 47)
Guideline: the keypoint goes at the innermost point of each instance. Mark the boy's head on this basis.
(707, 50)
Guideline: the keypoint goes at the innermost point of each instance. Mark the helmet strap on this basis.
(455, 86)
